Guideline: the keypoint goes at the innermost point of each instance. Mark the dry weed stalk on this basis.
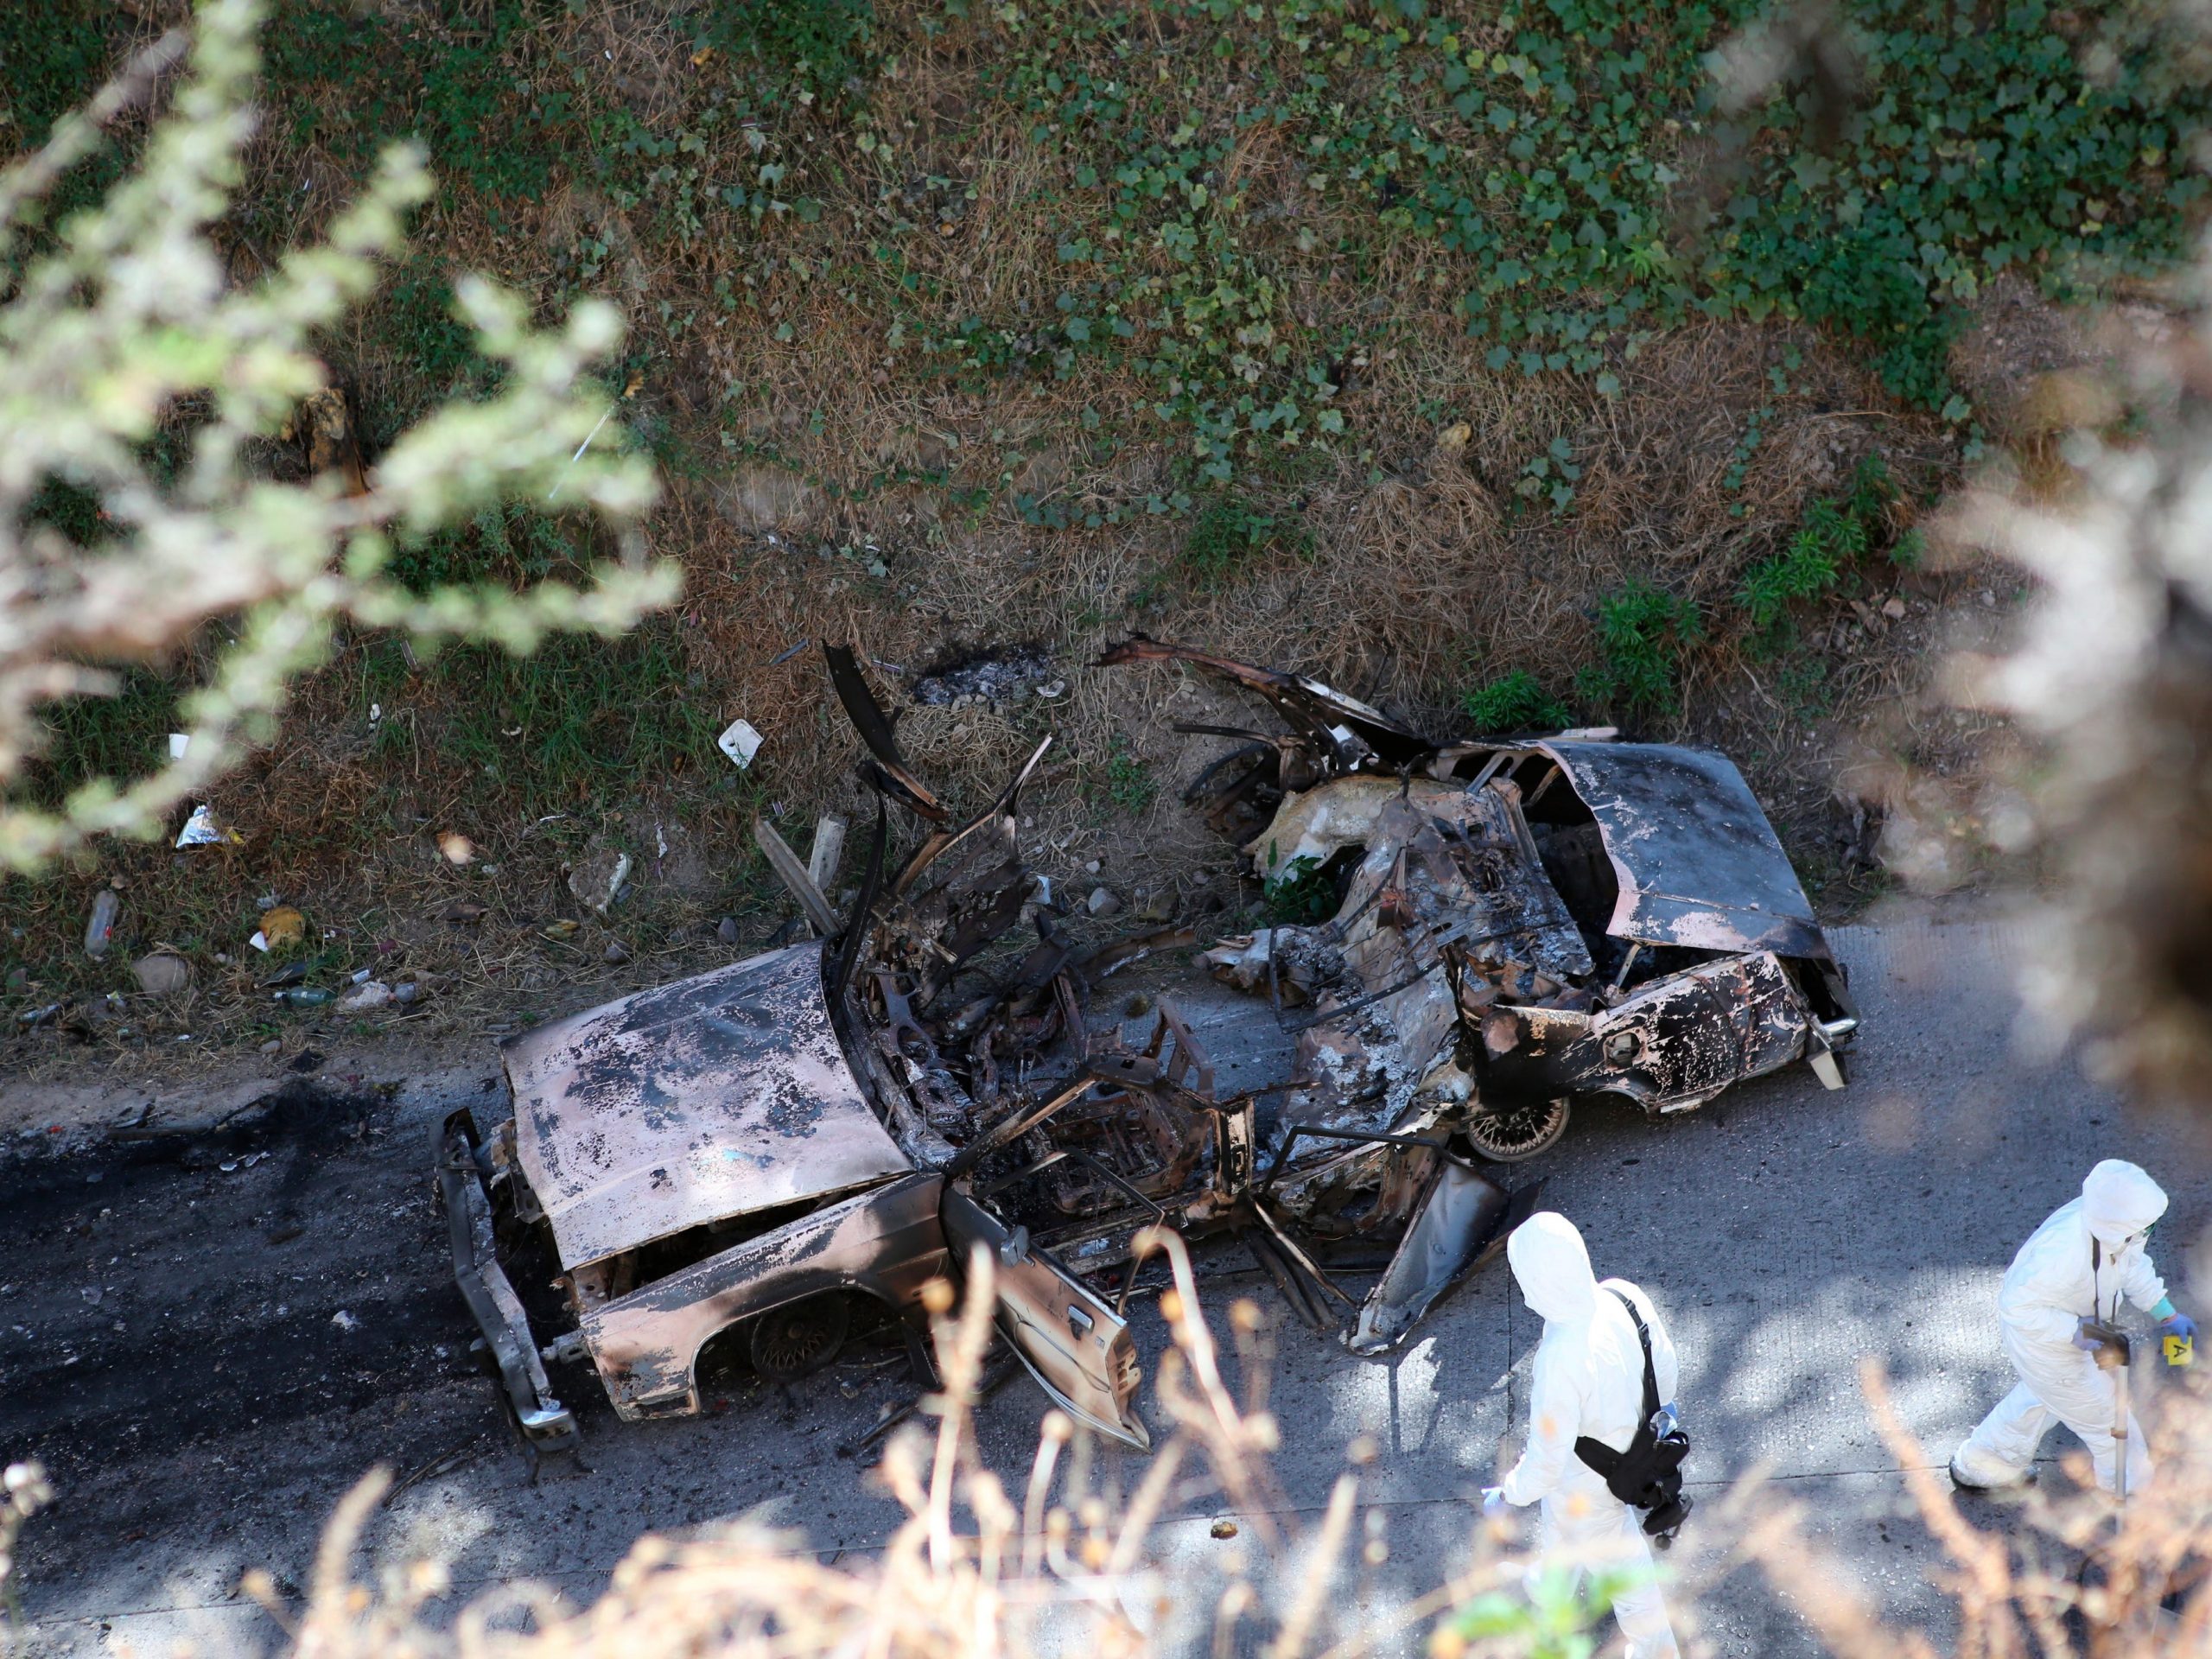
(965, 1576)
(2071, 1577)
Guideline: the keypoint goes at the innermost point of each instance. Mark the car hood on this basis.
(1697, 861)
(696, 1102)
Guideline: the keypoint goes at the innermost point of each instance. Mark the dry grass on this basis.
(1414, 571)
(1069, 1561)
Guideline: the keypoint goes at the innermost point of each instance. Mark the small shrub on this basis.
(1642, 633)
(1837, 533)
(1514, 702)
(1227, 530)
(1301, 893)
(1129, 783)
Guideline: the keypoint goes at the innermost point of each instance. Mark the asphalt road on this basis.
(206, 1358)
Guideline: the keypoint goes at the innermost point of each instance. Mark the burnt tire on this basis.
(1509, 1134)
(799, 1339)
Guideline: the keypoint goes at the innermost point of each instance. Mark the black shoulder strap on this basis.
(1651, 1401)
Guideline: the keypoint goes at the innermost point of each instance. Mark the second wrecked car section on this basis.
(1512, 924)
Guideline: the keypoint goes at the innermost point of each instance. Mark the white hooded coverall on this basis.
(2077, 1264)
(1589, 1380)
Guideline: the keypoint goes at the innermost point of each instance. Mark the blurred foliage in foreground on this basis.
(145, 394)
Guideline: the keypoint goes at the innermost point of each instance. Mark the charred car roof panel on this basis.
(692, 1103)
(1698, 863)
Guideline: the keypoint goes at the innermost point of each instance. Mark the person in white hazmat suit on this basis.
(1589, 1380)
(2078, 1264)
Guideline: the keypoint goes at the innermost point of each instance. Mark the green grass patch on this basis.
(122, 737)
(578, 719)
(1226, 531)
(1642, 633)
(1513, 702)
(1837, 534)
(1125, 780)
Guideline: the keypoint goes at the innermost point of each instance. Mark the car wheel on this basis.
(1511, 1133)
(800, 1337)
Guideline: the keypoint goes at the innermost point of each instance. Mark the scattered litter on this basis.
(362, 977)
(179, 742)
(787, 654)
(344, 1321)
(739, 742)
(162, 973)
(292, 973)
(282, 926)
(458, 850)
(1101, 902)
(1228, 1528)
(560, 932)
(1455, 436)
(201, 829)
(598, 879)
(304, 996)
(100, 926)
(38, 1016)
(374, 994)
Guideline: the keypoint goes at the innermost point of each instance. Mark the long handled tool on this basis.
(2115, 1349)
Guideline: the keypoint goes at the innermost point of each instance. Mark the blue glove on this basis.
(2179, 1324)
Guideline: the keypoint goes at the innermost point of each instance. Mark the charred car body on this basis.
(738, 1155)
(1515, 923)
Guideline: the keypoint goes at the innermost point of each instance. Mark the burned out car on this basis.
(748, 1155)
(751, 1155)
(1511, 924)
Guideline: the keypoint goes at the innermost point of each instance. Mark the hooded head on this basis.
(2119, 1200)
(1553, 1268)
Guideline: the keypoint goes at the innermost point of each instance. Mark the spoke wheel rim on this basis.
(796, 1341)
(1518, 1132)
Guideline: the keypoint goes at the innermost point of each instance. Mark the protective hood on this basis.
(2119, 1199)
(1552, 1266)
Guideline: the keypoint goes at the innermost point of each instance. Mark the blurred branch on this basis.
(119, 327)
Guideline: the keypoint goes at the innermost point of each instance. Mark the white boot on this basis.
(1976, 1470)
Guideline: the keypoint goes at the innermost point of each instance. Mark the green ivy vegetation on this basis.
(1560, 163)
(1548, 151)
(1301, 893)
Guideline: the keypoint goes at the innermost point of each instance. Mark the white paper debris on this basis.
(739, 742)
(259, 941)
(179, 742)
(201, 829)
(344, 1321)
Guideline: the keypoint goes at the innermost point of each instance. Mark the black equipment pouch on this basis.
(1648, 1475)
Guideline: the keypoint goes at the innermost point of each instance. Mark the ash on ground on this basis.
(1007, 674)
